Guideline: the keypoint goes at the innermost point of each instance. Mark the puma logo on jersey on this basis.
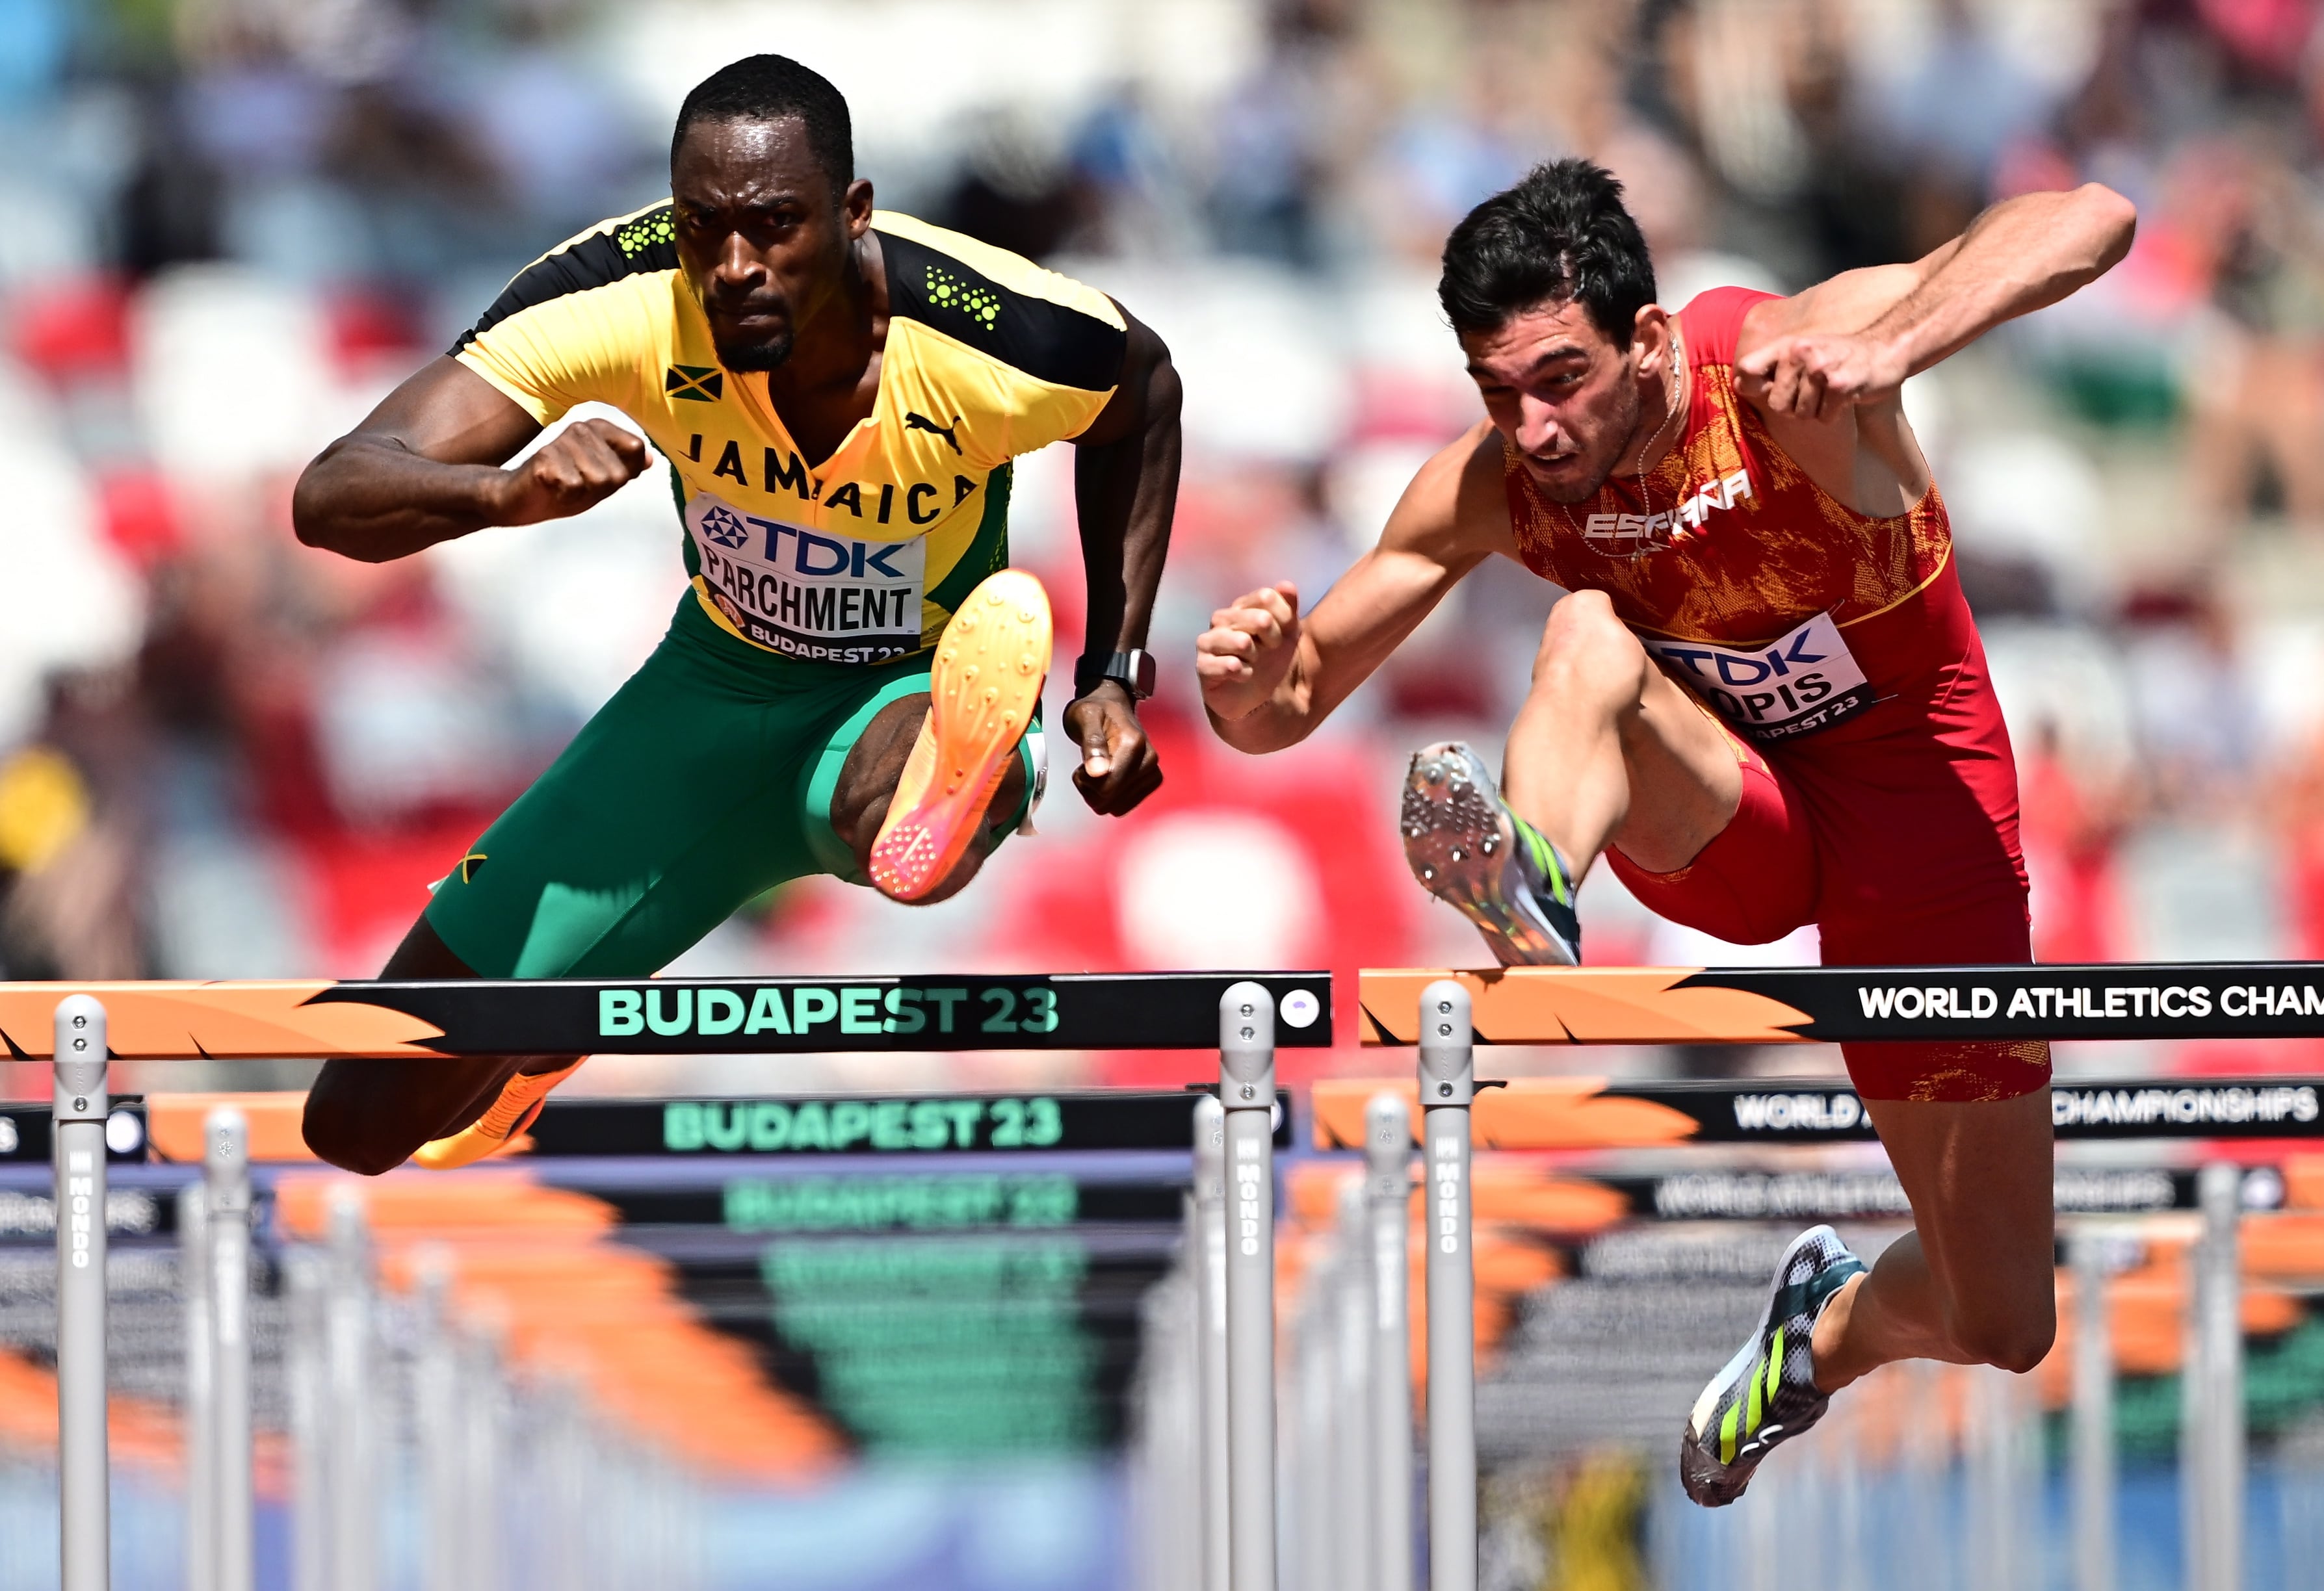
(920, 422)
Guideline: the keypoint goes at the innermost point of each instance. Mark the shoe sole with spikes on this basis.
(982, 691)
(1462, 847)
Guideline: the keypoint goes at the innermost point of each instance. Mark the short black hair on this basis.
(768, 88)
(1559, 236)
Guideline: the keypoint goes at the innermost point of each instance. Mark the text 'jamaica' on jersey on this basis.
(859, 557)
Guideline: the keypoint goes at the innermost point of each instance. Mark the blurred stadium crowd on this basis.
(231, 225)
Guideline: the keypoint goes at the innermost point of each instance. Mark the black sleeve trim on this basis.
(643, 243)
(1047, 340)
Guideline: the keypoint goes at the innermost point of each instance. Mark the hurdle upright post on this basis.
(483, 1439)
(1448, 1086)
(2212, 1468)
(436, 1396)
(1247, 1093)
(199, 1415)
(2093, 1455)
(306, 1375)
(83, 1462)
(225, 1199)
(1387, 1163)
(1209, 1265)
(348, 1398)
(1348, 1306)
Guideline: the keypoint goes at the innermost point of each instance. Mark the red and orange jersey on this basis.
(1732, 564)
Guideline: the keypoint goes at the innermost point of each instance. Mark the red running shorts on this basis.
(1878, 847)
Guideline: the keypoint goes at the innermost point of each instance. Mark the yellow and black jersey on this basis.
(861, 557)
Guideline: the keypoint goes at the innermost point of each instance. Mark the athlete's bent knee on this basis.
(334, 1129)
(1589, 653)
(2017, 1343)
(339, 1141)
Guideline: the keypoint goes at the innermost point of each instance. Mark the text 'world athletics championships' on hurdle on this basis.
(1245, 1017)
(80, 1028)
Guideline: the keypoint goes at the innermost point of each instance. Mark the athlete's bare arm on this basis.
(1269, 676)
(1824, 367)
(425, 467)
(1125, 490)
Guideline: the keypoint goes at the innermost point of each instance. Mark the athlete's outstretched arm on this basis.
(1125, 490)
(1269, 678)
(424, 467)
(1858, 335)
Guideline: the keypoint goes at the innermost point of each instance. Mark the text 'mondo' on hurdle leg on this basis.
(82, 1465)
(1247, 1090)
(1448, 1085)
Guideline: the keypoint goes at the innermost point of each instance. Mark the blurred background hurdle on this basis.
(338, 1370)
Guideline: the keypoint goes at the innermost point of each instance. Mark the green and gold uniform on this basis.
(818, 587)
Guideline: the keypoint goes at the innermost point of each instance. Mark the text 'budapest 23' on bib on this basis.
(1805, 681)
(823, 598)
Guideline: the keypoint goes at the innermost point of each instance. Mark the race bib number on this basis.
(1807, 681)
(807, 594)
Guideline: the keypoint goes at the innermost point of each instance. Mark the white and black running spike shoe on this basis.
(1766, 1393)
(1465, 847)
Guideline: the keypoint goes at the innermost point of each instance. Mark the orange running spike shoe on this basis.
(982, 690)
(521, 1098)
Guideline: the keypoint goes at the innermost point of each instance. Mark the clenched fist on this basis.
(1118, 767)
(1819, 376)
(1247, 649)
(584, 464)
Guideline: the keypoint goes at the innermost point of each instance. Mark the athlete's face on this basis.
(763, 242)
(1568, 398)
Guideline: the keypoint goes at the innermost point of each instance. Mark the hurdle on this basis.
(80, 1028)
(1445, 1012)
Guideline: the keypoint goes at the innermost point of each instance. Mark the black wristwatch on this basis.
(1134, 671)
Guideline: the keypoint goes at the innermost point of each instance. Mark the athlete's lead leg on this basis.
(1606, 750)
(985, 693)
(867, 784)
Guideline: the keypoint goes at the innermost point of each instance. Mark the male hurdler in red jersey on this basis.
(1764, 703)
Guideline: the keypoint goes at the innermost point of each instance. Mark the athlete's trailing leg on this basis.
(372, 1116)
(1974, 1282)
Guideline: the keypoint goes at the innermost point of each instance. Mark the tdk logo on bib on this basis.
(1806, 681)
(831, 599)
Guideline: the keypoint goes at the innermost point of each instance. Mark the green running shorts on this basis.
(704, 782)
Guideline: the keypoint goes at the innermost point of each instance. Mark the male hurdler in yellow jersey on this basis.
(859, 557)
(851, 684)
